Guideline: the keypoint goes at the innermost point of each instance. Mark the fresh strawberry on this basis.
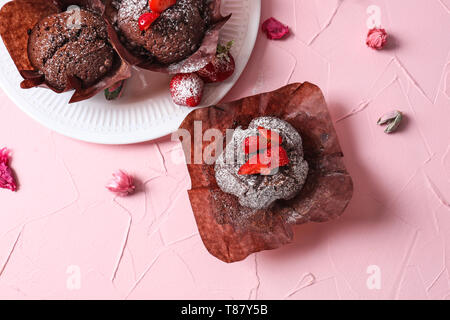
(279, 159)
(252, 168)
(284, 158)
(146, 20)
(276, 160)
(160, 5)
(254, 144)
(264, 141)
(270, 135)
(264, 162)
(221, 67)
(257, 164)
(251, 144)
(186, 89)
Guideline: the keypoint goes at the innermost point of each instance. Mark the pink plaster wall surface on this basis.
(64, 236)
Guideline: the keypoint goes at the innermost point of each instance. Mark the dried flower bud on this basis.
(274, 29)
(376, 38)
(6, 176)
(392, 119)
(121, 183)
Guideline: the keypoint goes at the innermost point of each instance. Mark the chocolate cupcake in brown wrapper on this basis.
(231, 231)
(182, 39)
(62, 45)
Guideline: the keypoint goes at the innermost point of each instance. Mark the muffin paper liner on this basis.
(199, 59)
(230, 231)
(19, 16)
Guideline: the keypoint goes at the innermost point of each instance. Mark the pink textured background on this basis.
(147, 246)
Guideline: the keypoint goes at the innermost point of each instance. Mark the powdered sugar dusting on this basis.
(190, 67)
(186, 86)
(173, 37)
(256, 191)
(132, 9)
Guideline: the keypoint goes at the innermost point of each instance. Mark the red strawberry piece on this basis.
(254, 166)
(251, 144)
(254, 144)
(187, 89)
(249, 168)
(270, 135)
(265, 162)
(221, 67)
(265, 140)
(146, 20)
(279, 159)
(161, 5)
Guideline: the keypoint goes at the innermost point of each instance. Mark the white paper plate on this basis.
(146, 110)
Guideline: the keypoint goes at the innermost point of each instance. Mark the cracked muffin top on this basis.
(71, 44)
(174, 36)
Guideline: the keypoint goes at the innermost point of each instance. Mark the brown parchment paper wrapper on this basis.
(19, 16)
(199, 59)
(231, 232)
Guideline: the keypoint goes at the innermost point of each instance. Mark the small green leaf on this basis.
(115, 92)
(223, 50)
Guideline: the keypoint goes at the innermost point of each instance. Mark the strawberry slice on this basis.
(146, 20)
(250, 169)
(254, 165)
(279, 159)
(251, 144)
(186, 89)
(264, 163)
(264, 141)
(160, 5)
(270, 135)
(255, 144)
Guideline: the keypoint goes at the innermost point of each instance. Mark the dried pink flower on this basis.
(274, 29)
(6, 176)
(376, 38)
(121, 183)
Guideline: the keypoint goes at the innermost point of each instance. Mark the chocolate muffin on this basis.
(71, 44)
(174, 36)
(261, 191)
